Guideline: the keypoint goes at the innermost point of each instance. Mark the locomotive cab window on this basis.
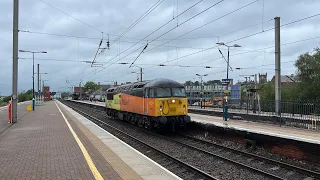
(178, 92)
(163, 92)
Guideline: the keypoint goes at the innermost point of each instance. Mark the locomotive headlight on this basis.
(173, 101)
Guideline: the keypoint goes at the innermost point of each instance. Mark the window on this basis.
(110, 96)
(178, 92)
(152, 93)
(163, 92)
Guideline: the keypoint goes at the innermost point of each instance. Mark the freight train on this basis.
(154, 104)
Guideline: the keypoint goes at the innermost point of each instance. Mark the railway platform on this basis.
(55, 142)
(285, 132)
(4, 115)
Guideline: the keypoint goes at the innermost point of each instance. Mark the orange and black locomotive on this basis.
(154, 104)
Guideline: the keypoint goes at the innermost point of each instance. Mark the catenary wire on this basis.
(244, 37)
(191, 30)
(154, 31)
(172, 46)
(171, 29)
(72, 16)
(256, 50)
(140, 19)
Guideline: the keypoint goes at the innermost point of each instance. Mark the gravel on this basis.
(214, 166)
(244, 159)
(212, 137)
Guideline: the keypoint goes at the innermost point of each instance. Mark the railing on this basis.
(300, 114)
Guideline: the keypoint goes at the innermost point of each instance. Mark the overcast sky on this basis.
(111, 18)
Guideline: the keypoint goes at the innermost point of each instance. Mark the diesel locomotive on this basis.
(152, 104)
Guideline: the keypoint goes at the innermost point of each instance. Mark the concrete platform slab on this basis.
(42, 146)
(259, 128)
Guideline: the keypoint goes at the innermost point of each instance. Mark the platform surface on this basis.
(254, 127)
(22, 106)
(41, 146)
(261, 128)
(55, 142)
(250, 112)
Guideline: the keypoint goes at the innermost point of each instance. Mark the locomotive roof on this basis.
(161, 82)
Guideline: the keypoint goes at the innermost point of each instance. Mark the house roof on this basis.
(105, 86)
(287, 78)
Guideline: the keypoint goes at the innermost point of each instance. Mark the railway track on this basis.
(268, 168)
(274, 168)
(173, 164)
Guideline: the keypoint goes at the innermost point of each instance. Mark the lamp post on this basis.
(226, 97)
(40, 100)
(223, 44)
(139, 72)
(201, 88)
(33, 52)
(39, 82)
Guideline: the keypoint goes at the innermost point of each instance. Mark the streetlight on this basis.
(139, 73)
(201, 88)
(223, 44)
(33, 52)
(39, 81)
(226, 104)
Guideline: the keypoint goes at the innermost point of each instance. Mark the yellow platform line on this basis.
(85, 153)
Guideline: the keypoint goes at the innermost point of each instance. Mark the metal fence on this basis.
(300, 114)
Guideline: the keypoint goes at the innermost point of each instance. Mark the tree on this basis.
(6, 99)
(91, 86)
(188, 83)
(196, 83)
(212, 82)
(267, 92)
(308, 73)
(64, 95)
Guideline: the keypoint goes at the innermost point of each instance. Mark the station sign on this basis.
(225, 82)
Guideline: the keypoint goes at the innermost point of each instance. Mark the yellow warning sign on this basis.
(29, 108)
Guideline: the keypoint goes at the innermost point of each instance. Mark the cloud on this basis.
(114, 17)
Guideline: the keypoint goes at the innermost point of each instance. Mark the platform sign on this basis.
(226, 82)
(236, 91)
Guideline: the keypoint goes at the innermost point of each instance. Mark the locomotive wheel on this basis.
(147, 123)
(140, 122)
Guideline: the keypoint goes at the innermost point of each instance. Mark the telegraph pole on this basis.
(38, 78)
(15, 61)
(140, 74)
(80, 91)
(255, 94)
(277, 66)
